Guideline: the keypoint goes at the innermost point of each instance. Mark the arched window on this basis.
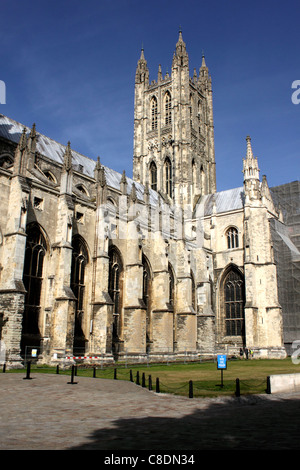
(168, 177)
(153, 176)
(154, 113)
(171, 286)
(33, 278)
(194, 304)
(115, 289)
(147, 297)
(168, 111)
(234, 300)
(6, 161)
(232, 238)
(79, 262)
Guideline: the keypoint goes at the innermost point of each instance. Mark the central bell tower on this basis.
(174, 131)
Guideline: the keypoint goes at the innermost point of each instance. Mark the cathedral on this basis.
(97, 265)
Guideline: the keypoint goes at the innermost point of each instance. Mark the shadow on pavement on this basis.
(257, 423)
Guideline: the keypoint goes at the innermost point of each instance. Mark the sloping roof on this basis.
(12, 130)
(224, 201)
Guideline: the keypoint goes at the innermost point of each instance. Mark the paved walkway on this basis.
(48, 413)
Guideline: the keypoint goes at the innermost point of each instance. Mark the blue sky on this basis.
(69, 66)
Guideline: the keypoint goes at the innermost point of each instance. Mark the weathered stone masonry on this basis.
(156, 267)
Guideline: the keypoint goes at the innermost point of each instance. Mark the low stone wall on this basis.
(284, 383)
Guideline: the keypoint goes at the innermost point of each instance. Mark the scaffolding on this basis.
(286, 247)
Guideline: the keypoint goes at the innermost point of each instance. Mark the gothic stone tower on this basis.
(173, 130)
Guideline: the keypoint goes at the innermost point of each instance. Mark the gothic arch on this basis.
(171, 298)
(232, 237)
(168, 108)
(115, 290)
(168, 183)
(232, 303)
(80, 260)
(6, 160)
(147, 297)
(153, 112)
(33, 277)
(193, 291)
(153, 175)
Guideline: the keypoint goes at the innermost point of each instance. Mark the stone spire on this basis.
(66, 181)
(67, 165)
(180, 56)
(251, 173)
(20, 155)
(142, 71)
(123, 183)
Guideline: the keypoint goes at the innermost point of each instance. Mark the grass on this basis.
(206, 378)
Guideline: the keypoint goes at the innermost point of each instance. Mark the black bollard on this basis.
(157, 385)
(115, 374)
(57, 369)
(4, 367)
(75, 370)
(150, 382)
(28, 371)
(94, 372)
(143, 380)
(191, 395)
(237, 388)
(130, 375)
(138, 378)
(72, 376)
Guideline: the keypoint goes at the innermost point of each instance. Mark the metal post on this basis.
(138, 378)
(28, 371)
(150, 382)
(191, 395)
(237, 388)
(130, 375)
(157, 385)
(143, 380)
(72, 376)
(115, 374)
(94, 372)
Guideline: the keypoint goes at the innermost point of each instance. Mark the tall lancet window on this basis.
(147, 297)
(33, 278)
(168, 177)
(234, 300)
(168, 112)
(154, 113)
(153, 176)
(115, 290)
(79, 262)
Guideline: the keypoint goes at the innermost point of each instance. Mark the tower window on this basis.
(232, 238)
(168, 175)
(154, 113)
(168, 114)
(153, 176)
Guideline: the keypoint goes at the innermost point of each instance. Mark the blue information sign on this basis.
(222, 361)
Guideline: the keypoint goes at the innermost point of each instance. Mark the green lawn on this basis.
(206, 378)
